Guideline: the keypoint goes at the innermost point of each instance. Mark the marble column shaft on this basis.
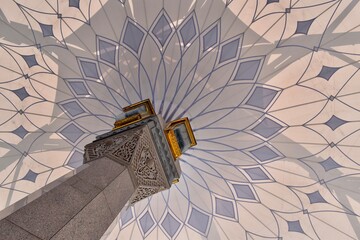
(80, 208)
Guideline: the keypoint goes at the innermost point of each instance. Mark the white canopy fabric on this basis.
(272, 89)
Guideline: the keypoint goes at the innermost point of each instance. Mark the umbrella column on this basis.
(135, 160)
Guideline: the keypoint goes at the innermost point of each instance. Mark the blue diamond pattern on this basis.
(248, 70)
(30, 176)
(267, 128)
(79, 88)
(126, 216)
(327, 72)
(188, 31)
(20, 132)
(243, 191)
(264, 153)
(198, 220)
(294, 226)
(162, 30)
(315, 197)
(229, 50)
(335, 122)
(329, 164)
(261, 97)
(72, 132)
(30, 60)
(76, 159)
(47, 30)
(170, 225)
(73, 108)
(210, 38)
(146, 222)
(256, 173)
(107, 52)
(74, 3)
(133, 36)
(303, 26)
(89, 69)
(21, 93)
(224, 208)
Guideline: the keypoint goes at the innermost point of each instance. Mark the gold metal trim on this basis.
(171, 138)
(169, 129)
(173, 124)
(173, 143)
(126, 121)
(146, 103)
(137, 117)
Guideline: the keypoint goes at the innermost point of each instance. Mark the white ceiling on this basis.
(271, 87)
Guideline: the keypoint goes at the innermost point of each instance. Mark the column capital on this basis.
(143, 150)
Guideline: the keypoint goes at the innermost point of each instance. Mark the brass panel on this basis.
(146, 103)
(126, 121)
(173, 124)
(137, 117)
(173, 143)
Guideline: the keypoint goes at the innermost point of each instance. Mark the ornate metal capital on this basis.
(135, 149)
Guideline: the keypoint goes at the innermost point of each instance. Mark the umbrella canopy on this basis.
(271, 88)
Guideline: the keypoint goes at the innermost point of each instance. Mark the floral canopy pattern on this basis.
(271, 88)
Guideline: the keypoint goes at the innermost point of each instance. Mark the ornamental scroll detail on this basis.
(136, 150)
(126, 150)
(147, 169)
(120, 147)
(144, 164)
(143, 192)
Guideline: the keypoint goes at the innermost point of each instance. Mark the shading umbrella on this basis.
(271, 89)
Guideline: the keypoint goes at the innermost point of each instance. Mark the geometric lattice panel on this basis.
(271, 89)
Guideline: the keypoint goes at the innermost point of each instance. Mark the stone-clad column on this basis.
(124, 166)
(136, 150)
(80, 208)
